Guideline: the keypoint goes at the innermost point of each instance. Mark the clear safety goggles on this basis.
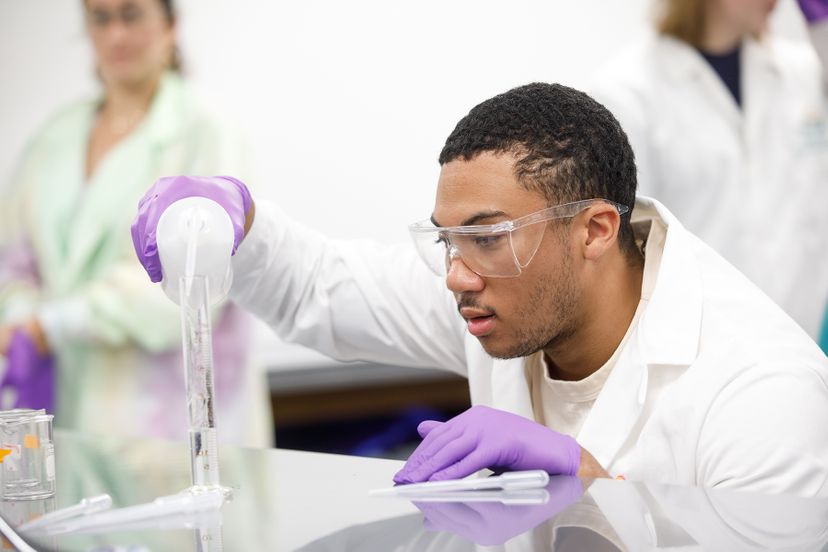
(500, 250)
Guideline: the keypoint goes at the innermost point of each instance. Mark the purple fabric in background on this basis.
(29, 374)
(18, 263)
(814, 11)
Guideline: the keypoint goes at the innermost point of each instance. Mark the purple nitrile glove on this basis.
(814, 10)
(493, 523)
(482, 437)
(29, 373)
(227, 191)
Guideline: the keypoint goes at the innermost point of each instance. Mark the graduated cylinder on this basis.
(198, 363)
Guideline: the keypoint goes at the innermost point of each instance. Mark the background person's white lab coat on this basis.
(752, 182)
(716, 386)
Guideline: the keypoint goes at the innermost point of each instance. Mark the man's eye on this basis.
(487, 241)
(443, 240)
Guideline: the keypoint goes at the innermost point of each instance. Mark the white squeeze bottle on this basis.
(195, 238)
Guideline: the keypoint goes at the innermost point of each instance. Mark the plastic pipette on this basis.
(161, 507)
(200, 520)
(13, 537)
(529, 479)
(86, 506)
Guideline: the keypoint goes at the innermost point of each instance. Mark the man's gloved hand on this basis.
(493, 523)
(483, 437)
(30, 373)
(227, 191)
(814, 10)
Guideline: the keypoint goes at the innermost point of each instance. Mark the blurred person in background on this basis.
(77, 315)
(816, 13)
(728, 125)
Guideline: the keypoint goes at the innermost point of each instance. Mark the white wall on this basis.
(347, 103)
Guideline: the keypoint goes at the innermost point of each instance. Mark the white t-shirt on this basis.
(564, 405)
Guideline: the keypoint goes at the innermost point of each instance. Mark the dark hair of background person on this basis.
(569, 147)
(169, 14)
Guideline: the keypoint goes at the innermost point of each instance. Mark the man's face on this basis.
(512, 317)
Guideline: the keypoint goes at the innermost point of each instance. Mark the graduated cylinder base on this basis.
(204, 465)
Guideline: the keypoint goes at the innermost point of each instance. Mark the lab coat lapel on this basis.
(57, 193)
(103, 214)
(760, 85)
(667, 334)
(617, 408)
(102, 207)
(688, 69)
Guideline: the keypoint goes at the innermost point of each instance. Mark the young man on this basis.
(597, 338)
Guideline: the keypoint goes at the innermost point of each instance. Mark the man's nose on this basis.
(459, 277)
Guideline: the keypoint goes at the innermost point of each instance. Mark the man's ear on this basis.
(602, 224)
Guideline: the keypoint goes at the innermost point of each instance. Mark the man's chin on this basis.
(504, 351)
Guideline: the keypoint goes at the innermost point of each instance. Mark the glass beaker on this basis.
(27, 454)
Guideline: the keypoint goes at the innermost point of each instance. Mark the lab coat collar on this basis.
(685, 66)
(760, 68)
(668, 333)
(682, 61)
(676, 297)
(164, 119)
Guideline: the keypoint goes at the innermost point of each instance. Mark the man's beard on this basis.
(549, 314)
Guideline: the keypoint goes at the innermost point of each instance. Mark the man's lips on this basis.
(479, 322)
(471, 312)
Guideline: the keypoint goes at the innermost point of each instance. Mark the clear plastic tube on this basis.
(86, 506)
(509, 481)
(196, 330)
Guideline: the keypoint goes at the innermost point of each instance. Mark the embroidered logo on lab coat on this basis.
(812, 135)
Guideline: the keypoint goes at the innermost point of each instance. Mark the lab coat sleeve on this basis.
(349, 300)
(766, 432)
(118, 308)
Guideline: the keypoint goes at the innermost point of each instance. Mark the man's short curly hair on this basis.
(569, 147)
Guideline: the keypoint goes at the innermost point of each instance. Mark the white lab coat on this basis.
(751, 182)
(716, 386)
